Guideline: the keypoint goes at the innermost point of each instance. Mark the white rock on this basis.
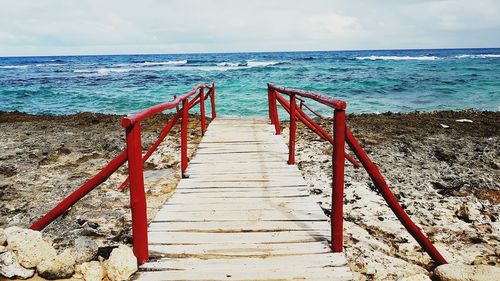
(468, 212)
(121, 264)
(85, 250)
(3, 237)
(91, 271)
(417, 277)
(3, 249)
(444, 126)
(58, 267)
(464, 121)
(29, 246)
(10, 267)
(462, 272)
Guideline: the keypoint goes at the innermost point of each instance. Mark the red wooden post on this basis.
(336, 217)
(202, 112)
(137, 194)
(185, 116)
(293, 129)
(212, 101)
(269, 103)
(275, 112)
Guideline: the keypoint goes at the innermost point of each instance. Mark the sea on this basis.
(369, 81)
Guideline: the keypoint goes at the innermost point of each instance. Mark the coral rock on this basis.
(3, 237)
(58, 267)
(461, 272)
(468, 212)
(417, 277)
(91, 271)
(121, 264)
(10, 267)
(85, 250)
(28, 246)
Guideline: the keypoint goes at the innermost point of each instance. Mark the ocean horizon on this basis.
(371, 81)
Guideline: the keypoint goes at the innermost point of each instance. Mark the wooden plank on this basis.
(243, 214)
(190, 238)
(238, 215)
(240, 226)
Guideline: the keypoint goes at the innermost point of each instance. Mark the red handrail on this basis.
(341, 134)
(332, 102)
(133, 154)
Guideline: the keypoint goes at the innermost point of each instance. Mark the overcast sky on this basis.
(64, 27)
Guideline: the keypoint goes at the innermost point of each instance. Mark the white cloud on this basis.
(34, 27)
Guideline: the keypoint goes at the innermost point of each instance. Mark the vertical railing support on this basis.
(202, 112)
(336, 217)
(276, 118)
(184, 128)
(137, 194)
(293, 130)
(212, 100)
(269, 104)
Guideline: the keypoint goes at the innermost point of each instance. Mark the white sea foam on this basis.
(233, 64)
(50, 64)
(170, 62)
(252, 63)
(423, 58)
(83, 71)
(478, 56)
(14, 66)
(108, 70)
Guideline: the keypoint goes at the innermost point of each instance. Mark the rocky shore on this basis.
(44, 158)
(445, 173)
(444, 168)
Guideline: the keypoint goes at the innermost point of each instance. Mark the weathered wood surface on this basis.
(243, 214)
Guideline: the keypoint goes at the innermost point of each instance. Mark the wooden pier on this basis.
(243, 214)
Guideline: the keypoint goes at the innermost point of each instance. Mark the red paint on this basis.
(146, 113)
(137, 194)
(269, 105)
(304, 118)
(293, 129)
(391, 200)
(212, 100)
(202, 112)
(276, 119)
(338, 160)
(184, 128)
(332, 102)
(78, 194)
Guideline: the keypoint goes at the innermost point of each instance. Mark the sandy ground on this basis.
(45, 158)
(446, 179)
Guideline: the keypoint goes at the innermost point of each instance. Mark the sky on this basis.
(73, 27)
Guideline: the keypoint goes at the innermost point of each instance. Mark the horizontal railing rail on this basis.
(133, 154)
(341, 135)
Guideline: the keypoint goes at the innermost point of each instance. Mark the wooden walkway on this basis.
(243, 214)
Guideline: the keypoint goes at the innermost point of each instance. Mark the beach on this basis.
(447, 180)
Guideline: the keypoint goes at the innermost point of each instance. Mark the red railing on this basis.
(341, 135)
(133, 154)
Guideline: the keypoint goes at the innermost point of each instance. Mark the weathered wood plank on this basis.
(243, 214)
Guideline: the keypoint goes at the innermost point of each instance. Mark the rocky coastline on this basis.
(444, 168)
(44, 158)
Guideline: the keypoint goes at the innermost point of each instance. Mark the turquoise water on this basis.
(370, 81)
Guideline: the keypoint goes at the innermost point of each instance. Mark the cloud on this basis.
(56, 27)
(331, 26)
